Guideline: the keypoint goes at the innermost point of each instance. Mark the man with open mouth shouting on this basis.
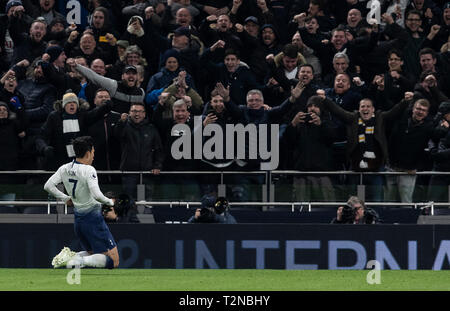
(366, 147)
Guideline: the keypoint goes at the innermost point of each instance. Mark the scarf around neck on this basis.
(366, 130)
(71, 128)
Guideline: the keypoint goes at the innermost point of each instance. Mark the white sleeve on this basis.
(94, 188)
(52, 182)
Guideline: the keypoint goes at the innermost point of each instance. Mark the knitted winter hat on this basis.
(70, 98)
(12, 3)
(54, 51)
(170, 53)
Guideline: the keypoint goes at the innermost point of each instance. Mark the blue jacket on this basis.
(164, 78)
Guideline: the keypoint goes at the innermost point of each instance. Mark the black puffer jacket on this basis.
(141, 146)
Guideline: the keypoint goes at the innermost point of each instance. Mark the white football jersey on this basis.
(81, 183)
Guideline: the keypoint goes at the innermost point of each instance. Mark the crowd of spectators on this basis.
(350, 90)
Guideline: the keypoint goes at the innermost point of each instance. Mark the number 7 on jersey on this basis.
(74, 181)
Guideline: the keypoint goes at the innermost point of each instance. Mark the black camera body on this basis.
(221, 205)
(122, 205)
(106, 209)
(370, 216)
(348, 214)
(212, 209)
(206, 215)
(308, 117)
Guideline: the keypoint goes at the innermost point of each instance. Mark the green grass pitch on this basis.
(221, 280)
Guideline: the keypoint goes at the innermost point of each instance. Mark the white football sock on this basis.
(83, 254)
(96, 261)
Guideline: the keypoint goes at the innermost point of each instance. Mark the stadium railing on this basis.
(188, 204)
(267, 190)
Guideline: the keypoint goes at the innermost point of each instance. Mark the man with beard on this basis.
(56, 31)
(306, 76)
(124, 92)
(28, 46)
(309, 138)
(270, 38)
(133, 56)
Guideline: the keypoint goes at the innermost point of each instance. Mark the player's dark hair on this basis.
(81, 145)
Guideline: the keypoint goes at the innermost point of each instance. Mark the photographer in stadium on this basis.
(123, 211)
(213, 211)
(355, 212)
